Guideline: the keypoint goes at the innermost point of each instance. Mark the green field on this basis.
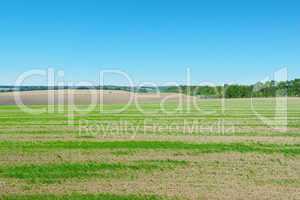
(223, 149)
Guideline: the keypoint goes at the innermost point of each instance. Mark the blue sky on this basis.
(220, 41)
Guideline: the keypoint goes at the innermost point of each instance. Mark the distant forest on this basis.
(266, 89)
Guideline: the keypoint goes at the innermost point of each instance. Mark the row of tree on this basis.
(267, 89)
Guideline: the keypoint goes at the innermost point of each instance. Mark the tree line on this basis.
(266, 89)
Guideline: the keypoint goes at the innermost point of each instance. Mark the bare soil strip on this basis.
(85, 97)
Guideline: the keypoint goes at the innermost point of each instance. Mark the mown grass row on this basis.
(130, 133)
(288, 149)
(81, 197)
(51, 173)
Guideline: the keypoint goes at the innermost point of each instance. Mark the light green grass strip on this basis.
(50, 173)
(292, 149)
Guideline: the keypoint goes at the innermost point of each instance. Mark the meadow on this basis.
(217, 149)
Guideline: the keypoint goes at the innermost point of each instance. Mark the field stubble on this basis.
(45, 155)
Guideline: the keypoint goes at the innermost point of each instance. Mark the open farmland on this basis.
(223, 149)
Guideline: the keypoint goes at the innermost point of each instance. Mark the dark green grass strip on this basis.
(50, 173)
(81, 197)
(199, 147)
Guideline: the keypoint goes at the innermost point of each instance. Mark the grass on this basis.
(43, 154)
(237, 112)
(287, 149)
(51, 173)
(81, 197)
(294, 182)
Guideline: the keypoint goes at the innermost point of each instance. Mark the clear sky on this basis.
(152, 40)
